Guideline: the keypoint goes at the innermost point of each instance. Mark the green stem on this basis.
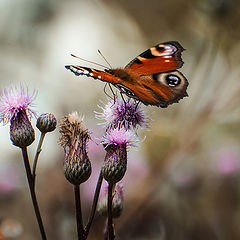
(94, 205)
(39, 149)
(32, 191)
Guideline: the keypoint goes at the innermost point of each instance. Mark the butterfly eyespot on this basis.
(173, 80)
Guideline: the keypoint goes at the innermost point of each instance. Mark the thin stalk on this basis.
(39, 149)
(94, 205)
(111, 234)
(80, 230)
(32, 191)
(105, 231)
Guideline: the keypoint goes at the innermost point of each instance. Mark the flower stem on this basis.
(39, 149)
(94, 205)
(105, 231)
(80, 230)
(32, 191)
(111, 234)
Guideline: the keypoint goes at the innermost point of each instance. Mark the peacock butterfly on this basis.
(150, 78)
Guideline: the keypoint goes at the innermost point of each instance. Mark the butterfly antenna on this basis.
(105, 59)
(88, 61)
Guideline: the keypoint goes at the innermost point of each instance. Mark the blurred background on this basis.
(183, 180)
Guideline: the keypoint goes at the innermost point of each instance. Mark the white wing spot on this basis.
(99, 77)
(167, 60)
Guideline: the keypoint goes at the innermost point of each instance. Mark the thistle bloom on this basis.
(15, 107)
(120, 136)
(115, 162)
(16, 100)
(74, 138)
(128, 114)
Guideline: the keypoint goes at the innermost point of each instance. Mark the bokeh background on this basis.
(183, 180)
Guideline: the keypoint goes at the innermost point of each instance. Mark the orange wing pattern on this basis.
(94, 73)
(151, 77)
(163, 57)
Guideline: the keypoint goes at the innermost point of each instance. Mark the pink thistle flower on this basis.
(116, 142)
(119, 136)
(15, 108)
(16, 100)
(128, 114)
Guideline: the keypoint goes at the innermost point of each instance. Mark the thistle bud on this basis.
(46, 122)
(21, 131)
(117, 203)
(74, 138)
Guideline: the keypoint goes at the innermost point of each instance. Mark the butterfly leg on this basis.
(137, 103)
(114, 95)
(125, 104)
(106, 91)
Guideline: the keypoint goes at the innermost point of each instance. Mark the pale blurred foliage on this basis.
(187, 184)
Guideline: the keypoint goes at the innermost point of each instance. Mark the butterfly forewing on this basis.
(94, 73)
(163, 57)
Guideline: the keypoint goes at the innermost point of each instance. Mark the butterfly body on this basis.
(151, 77)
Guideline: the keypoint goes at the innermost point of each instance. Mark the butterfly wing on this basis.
(94, 73)
(156, 80)
(163, 57)
(151, 77)
(160, 89)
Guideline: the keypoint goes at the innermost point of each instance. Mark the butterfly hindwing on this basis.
(159, 89)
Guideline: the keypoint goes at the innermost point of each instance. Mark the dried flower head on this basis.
(128, 114)
(46, 122)
(74, 138)
(15, 108)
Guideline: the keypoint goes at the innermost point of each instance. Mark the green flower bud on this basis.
(117, 204)
(46, 122)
